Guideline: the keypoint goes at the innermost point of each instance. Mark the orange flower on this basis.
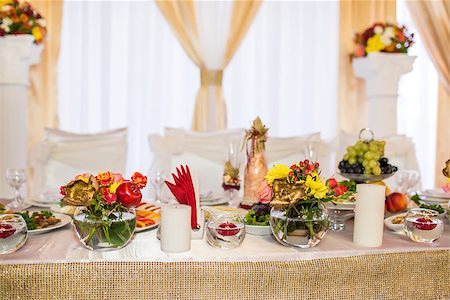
(139, 180)
(23, 18)
(104, 178)
(107, 196)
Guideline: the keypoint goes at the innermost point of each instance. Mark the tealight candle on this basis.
(369, 215)
(175, 228)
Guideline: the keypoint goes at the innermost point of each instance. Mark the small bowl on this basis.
(392, 226)
(258, 230)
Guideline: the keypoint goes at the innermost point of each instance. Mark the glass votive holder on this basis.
(423, 225)
(13, 233)
(225, 230)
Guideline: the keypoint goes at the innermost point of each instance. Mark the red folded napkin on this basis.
(183, 191)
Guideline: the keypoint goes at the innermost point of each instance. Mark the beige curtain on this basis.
(43, 102)
(432, 19)
(355, 16)
(210, 108)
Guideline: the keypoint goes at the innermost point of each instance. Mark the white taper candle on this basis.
(369, 215)
(175, 228)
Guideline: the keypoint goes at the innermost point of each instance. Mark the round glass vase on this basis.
(106, 234)
(301, 226)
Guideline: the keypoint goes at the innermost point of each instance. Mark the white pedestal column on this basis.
(382, 72)
(17, 53)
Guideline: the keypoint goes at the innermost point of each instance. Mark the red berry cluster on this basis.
(298, 172)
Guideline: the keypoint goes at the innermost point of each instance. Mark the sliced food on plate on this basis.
(147, 216)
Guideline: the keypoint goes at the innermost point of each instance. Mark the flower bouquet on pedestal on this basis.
(296, 195)
(105, 218)
(19, 17)
(383, 37)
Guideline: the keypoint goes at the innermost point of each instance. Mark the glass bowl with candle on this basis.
(225, 230)
(423, 225)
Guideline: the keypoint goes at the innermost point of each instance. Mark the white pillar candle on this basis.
(175, 228)
(369, 215)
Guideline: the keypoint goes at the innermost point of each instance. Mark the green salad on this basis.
(259, 215)
(436, 207)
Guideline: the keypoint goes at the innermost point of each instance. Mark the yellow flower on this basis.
(278, 171)
(316, 187)
(4, 2)
(83, 177)
(113, 187)
(37, 33)
(374, 44)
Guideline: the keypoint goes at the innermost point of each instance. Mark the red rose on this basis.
(331, 183)
(107, 196)
(340, 190)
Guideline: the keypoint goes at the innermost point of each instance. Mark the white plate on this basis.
(212, 198)
(67, 210)
(38, 204)
(65, 219)
(436, 193)
(258, 230)
(341, 205)
(218, 201)
(140, 229)
(394, 227)
(432, 200)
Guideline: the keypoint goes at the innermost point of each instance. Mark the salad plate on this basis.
(65, 219)
(258, 230)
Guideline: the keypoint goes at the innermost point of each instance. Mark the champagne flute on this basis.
(16, 178)
(157, 178)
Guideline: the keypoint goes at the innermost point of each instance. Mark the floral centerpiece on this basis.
(296, 195)
(105, 217)
(383, 37)
(19, 17)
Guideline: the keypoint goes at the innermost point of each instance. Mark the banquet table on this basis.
(54, 265)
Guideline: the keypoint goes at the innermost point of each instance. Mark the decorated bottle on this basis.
(256, 167)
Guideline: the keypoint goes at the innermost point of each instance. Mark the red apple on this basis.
(396, 202)
(129, 194)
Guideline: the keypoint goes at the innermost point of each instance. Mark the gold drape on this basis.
(181, 16)
(432, 19)
(42, 95)
(355, 16)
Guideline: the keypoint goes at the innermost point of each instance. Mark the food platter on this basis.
(65, 219)
(147, 216)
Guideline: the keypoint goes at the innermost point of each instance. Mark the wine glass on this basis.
(232, 185)
(157, 178)
(311, 150)
(407, 180)
(16, 178)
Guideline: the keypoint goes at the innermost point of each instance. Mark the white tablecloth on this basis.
(62, 245)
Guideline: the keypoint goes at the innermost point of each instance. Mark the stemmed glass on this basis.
(16, 178)
(233, 157)
(157, 177)
(407, 180)
(311, 150)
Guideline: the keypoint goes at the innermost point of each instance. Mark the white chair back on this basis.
(204, 151)
(207, 152)
(63, 155)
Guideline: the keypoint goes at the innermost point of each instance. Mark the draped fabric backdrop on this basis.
(433, 23)
(116, 74)
(355, 16)
(210, 33)
(43, 97)
(417, 101)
